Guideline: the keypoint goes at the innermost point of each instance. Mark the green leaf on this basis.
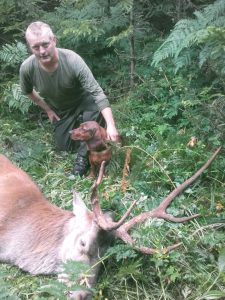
(213, 295)
(221, 260)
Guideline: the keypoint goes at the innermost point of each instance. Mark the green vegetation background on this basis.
(162, 65)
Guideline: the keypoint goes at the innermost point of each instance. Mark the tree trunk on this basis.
(132, 48)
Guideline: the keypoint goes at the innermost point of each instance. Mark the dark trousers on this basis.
(69, 121)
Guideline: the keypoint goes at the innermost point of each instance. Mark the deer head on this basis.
(38, 236)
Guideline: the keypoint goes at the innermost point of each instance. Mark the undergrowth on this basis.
(155, 158)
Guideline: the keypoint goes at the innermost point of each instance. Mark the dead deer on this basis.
(38, 236)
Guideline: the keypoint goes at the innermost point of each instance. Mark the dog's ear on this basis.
(93, 131)
(103, 133)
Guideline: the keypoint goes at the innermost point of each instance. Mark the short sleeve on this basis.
(26, 84)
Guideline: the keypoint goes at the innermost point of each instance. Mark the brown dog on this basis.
(95, 136)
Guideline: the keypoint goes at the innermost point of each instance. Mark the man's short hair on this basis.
(38, 28)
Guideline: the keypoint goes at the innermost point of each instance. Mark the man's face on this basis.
(43, 47)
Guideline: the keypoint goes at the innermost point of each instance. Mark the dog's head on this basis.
(85, 131)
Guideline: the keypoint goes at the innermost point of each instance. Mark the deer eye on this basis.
(82, 243)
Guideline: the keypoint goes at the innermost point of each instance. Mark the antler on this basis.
(103, 222)
(121, 228)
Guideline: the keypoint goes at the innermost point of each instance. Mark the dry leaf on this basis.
(193, 141)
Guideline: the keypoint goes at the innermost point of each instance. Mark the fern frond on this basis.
(182, 60)
(125, 5)
(211, 12)
(190, 32)
(13, 54)
(15, 99)
(204, 55)
(123, 34)
(84, 22)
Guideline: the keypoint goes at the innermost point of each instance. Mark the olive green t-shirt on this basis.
(70, 86)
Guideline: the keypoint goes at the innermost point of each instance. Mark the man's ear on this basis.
(29, 48)
(54, 39)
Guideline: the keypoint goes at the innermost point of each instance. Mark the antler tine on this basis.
(147, 250)
(160, 212)
(188, 182)
(125, 236)
(103, 222)
(100, 175)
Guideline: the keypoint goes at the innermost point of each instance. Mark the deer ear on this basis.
(79, 207)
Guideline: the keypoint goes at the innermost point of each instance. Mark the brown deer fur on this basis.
(38, 236)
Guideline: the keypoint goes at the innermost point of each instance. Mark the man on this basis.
(60, 82)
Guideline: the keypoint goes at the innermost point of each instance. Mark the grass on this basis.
(193, 271)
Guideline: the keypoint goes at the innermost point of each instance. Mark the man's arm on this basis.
(112, 133)
(89, 84)
(36, 98)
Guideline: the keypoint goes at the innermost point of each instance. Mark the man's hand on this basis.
(112, 133)
(53, 117)
(36, 98)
